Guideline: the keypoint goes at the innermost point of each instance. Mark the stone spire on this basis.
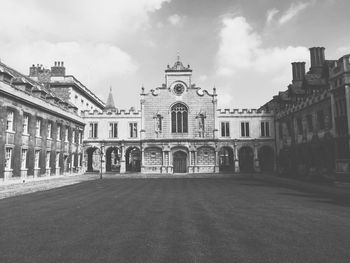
(110, 100)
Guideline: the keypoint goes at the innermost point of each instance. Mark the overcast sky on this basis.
(242, 47)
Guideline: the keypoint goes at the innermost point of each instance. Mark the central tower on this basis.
(178, 77)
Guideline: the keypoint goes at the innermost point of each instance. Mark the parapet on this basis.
(240, 112)
(113, 112)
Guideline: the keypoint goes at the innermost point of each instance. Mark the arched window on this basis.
(179, 118)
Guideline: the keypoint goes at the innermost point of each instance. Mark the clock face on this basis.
(179, 89)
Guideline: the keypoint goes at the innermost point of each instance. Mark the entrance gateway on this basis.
(180, 162)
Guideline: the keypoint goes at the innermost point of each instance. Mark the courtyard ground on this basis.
(241, 219)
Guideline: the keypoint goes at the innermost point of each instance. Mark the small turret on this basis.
(110, 101)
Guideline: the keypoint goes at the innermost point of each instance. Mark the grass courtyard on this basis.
(174, 220)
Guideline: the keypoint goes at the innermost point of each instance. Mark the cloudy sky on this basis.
(242, 47)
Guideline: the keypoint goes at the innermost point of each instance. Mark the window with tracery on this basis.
(179, 118)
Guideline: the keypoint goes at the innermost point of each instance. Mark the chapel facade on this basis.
(178, 129)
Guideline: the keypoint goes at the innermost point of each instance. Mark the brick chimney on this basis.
(298, 70)
(317, 58)
(58, 70)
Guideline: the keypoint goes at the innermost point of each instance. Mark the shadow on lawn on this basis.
(303, 191)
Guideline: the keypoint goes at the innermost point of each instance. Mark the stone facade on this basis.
(312, 118)
(66, 87)
(31, 117)
(179, 130)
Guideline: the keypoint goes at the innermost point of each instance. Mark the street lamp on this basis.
(102, 147)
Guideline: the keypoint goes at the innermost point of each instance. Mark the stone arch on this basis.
(266, 158)
(113, 157)
(93, 159)
(133, 159)
(226, 162)
(246, 159)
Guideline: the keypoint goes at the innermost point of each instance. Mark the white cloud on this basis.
(343, 49)
(96, 64)
(176, 20)
(270, 15)
(65, 20)
(252, 71)
(238, 43)
(241, 48)
(83, 34)
(203, 78)
(293, 11)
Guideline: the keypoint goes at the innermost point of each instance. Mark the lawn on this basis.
(173, 220)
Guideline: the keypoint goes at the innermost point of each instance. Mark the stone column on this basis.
(195, 163)
(235, 158)
(170, 169)
(256, 158)
(216, 168)
(347, 97)
(122, 160)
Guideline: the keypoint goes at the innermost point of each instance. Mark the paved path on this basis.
(174, 220)
(42, 184)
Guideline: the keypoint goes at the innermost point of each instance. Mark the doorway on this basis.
(180, 162)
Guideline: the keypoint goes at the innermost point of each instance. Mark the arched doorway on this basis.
(93, 159)
(133, 159)
(226, 159)
(113, 155)
(266, 159)
(246, 159)
(180, 162)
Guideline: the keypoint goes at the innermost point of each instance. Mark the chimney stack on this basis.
(298, 69)
(317, 57)
(58, 70)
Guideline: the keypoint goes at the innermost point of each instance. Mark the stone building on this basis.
(66, 87)
(46, 131)
(40, 132)
(312, 117)
(179, 130)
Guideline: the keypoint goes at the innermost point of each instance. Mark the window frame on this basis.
(245, 129)
(179, 118)
(133, 130)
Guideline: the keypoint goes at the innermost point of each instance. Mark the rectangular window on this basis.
(113, 130)
(310, 125)
(38, 128)
(73, 137)
(225, 129)
(300, 126)
(93, 130)
(9, 122)
(245, 129)
(320, 119)
(133, 129)
(66, 134)
(59, 136)
(36, 159)
(265, 129)
(24, 158)
(25, 124)
(79, 159)
(48, 155)
(57, 160)
(8, 158)
(49, 130)
(80, 137)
